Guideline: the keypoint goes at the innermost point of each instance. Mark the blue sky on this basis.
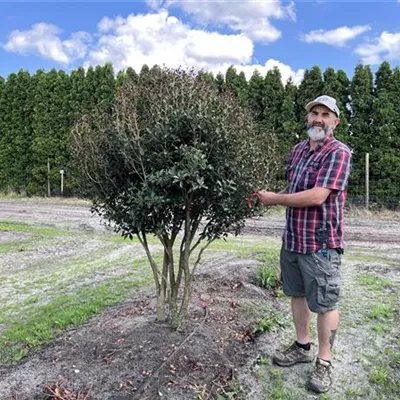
(205, 34)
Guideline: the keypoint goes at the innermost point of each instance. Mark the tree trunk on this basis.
(161, 315)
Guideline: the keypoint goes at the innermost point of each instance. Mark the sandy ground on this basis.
(120, 353)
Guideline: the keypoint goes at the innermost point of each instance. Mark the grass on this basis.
(44, 295)
(374, 282)
(268, 273)
(43, 323)
(26, 228)
(380, 312)
(269, 318)
(47, 300)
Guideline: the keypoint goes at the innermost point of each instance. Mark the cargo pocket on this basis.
(328, 291)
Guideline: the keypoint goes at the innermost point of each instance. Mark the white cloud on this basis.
(285, 70)
(251, 17)
(336, 37)
(164, 40)
(386, 46)
(44, 39)
(154, 38)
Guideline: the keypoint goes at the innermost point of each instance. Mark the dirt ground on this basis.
(123, 353)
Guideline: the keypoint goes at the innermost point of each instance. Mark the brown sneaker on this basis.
(320, 379)
(293, 355)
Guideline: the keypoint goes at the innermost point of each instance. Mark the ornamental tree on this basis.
(177, 159)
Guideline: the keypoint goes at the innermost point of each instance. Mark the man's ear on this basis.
(337, 122)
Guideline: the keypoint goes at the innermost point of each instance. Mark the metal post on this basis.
(62, 180)
(48, 177)
(367, 180)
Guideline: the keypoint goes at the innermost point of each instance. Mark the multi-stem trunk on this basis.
(159, 282)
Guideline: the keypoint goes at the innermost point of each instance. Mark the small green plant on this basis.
(267, 277)
(232, 392)
(379, 376)
(268, 273)
(352, 393)
(379, 327)
(269, 323)
(374, 281)
(380, 311)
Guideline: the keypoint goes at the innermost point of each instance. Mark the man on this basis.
(317, 171)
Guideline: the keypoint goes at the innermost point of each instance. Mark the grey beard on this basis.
(316, 134)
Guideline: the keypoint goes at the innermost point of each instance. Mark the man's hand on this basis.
(267, 198)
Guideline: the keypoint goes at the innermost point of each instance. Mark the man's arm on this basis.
(308, 198)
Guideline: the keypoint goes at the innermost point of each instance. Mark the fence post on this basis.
(367, 180)
(62, 180)
(48, 178)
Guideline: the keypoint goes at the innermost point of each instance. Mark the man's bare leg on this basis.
(327, 324)
(302, 317)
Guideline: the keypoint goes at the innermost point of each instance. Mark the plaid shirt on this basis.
(311, 228)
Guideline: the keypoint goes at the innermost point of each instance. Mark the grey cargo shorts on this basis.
(313, 276)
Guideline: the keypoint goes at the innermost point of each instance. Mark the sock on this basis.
(306, 346)
(327, 361)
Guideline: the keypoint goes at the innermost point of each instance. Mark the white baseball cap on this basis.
(326, 101)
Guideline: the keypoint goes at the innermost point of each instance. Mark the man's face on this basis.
(322, 118)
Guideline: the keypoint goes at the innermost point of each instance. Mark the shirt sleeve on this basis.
(335, 171)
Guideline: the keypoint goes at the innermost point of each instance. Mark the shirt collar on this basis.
(322, 143)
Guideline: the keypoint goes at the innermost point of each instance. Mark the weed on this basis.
(273, 321)
(380, 311)
(380, 328)
(379, 375)
(267, 277)
(268, 274)
(374, 282)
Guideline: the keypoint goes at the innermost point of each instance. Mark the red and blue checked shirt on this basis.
(311, 228)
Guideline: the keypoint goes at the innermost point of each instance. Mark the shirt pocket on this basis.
(309, 178)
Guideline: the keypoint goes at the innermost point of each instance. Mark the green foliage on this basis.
(176, 151)
(38, 112)
(380, 311)
(267, 277)
(269, 323)
(268, 273)
(16, 105)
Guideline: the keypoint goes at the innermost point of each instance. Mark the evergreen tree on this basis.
(132, 75)
(144, 70)
(231, 80)
(52, 121)
(383, 78)
(288, 123)
(243, 88)
(15, 139)
(105, 86)
(333, 87)
(256, 95)
(220, 81)
(361, 100)
(310, 87)
(385, 149)
(89, 103)
(237, 84)
(385, 146)
(273, 99)
(344, 91)
(79, 95)
(207, 77)
(121, 78)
